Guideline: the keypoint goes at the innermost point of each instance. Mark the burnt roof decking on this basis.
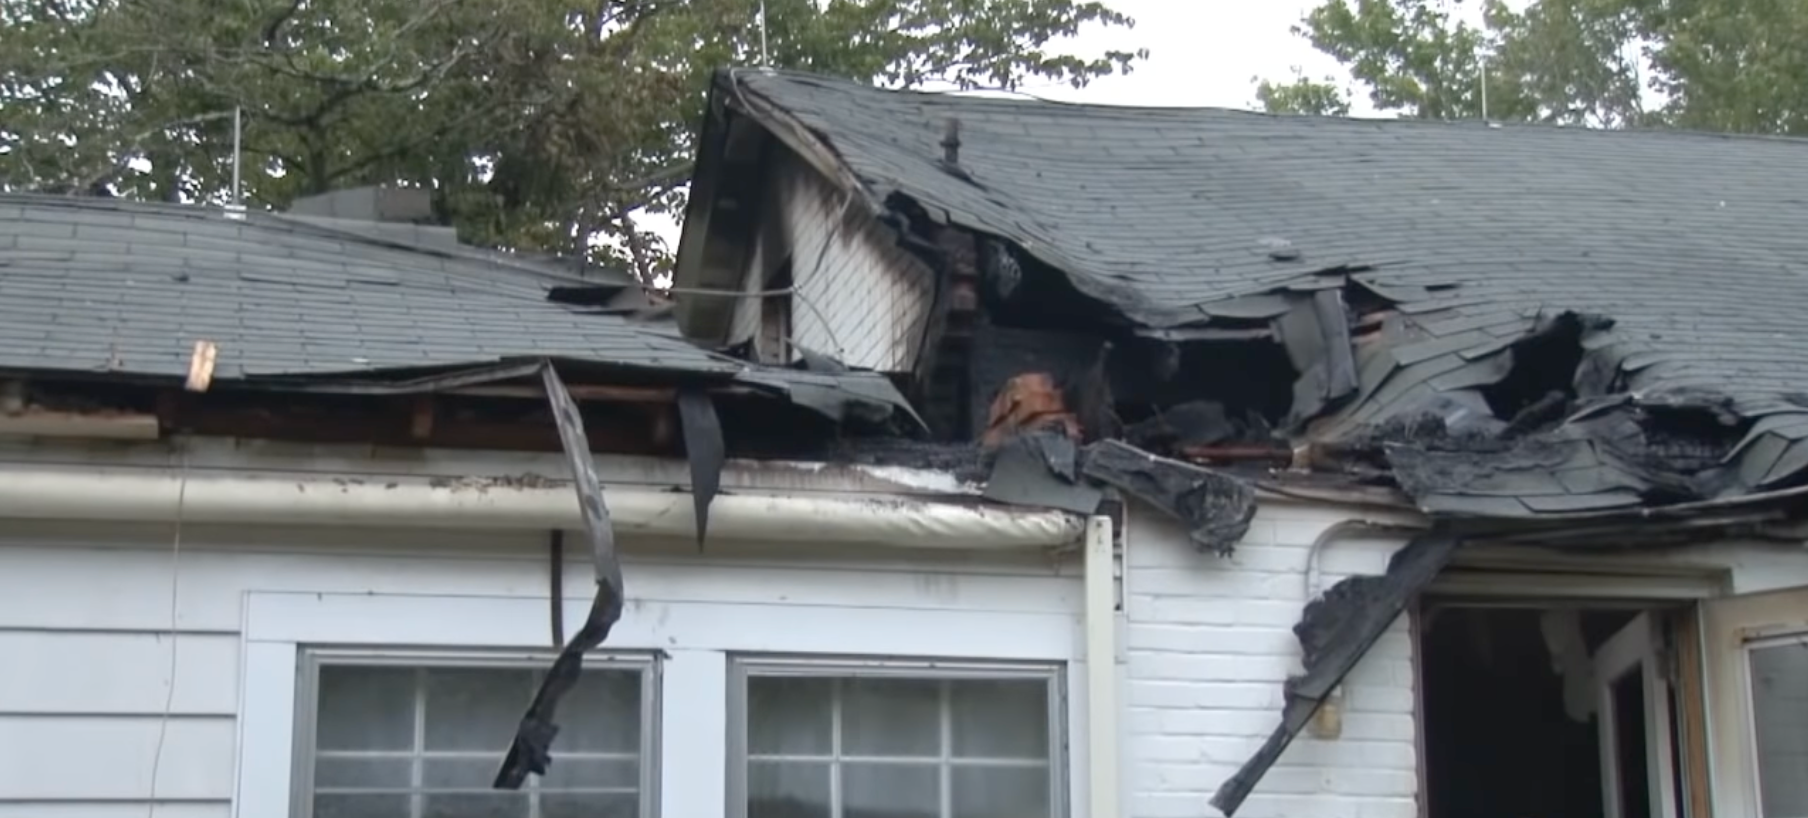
(1693, 243)
(113, 287)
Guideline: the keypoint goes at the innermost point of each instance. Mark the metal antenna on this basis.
(238, 198)
(235, 207)
(1484, 67)
(765, 56)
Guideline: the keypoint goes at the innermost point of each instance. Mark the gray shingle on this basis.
(1692, 242)
(95, 285)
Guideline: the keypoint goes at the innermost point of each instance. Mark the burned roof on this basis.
(117, 288)
(1656, 277)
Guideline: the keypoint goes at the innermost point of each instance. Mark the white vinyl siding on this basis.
(857, 294)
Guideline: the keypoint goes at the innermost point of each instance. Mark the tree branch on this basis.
(666, 175)
(135, 143)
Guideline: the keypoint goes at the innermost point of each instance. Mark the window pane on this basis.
(1779, 676)
(891, 790)
(602, 713)
(476, 708)
(1000, 792)
(360, 806)
(592, 805)
(789, 716)
(1000, 718)
(362, 773)
(891, 717)
(568, 772)
(461, 773)
(365, 708)
(513, 805)
(787, 789)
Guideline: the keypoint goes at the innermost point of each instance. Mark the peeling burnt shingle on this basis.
(1337, 629)
(1216, 508)
(1478, 274)
(1520, 363)
(531, 750)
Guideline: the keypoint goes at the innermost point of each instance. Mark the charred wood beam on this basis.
(531, 750)
(1336, 631)
(631, 429)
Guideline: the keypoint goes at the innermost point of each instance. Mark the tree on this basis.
(539, 124)
(1729, 65)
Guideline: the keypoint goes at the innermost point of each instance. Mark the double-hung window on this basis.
(399, 735)
(895, 740)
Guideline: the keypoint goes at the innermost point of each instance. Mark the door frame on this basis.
(1533, 583)
(1636, 648)
(1730, 626)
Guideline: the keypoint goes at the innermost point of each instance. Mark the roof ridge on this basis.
(1017, 98)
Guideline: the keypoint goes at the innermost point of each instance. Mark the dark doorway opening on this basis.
(1508, 705)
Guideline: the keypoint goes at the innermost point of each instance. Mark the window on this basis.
(1779, 691)
(896, 741)
(402, 736)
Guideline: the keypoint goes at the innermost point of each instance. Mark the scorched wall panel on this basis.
(856, 293)
(1209, 643)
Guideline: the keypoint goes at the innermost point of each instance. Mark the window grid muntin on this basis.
(839, 670)
(419, 662)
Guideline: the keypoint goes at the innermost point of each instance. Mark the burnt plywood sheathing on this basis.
(531, 749)
(705, 450)
(1337, 630)
(1216, 508)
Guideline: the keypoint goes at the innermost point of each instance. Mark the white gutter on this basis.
(213, 495)
(1101, 669)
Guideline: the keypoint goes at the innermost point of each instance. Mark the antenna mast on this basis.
(1484, 66)
(765, 56)
(238, 197)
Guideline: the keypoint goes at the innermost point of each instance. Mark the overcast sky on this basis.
(1202, 53)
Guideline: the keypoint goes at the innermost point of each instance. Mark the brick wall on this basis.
(1208, 643)
(857, 294)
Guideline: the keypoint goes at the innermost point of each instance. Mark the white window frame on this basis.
(307, 702)
(694, 638)
(742, 667)
(1756, 640)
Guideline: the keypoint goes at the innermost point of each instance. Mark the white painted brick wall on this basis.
(857, 294)
(1209, 642)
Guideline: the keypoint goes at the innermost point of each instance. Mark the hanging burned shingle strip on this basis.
(531, 750)
(704, 448)
(1336, 631)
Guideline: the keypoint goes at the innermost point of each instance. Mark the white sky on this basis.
(1202, 53)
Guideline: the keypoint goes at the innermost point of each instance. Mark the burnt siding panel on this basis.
(859, 295)
(745, 319)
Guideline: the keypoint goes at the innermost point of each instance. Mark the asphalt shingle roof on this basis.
(110, 286)
(1693, 243)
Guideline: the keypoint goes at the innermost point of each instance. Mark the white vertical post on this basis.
(1101, 668)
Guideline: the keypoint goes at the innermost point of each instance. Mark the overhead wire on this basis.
(175, 598)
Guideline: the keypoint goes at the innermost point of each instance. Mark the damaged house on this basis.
(1542, 387)
(994, 459)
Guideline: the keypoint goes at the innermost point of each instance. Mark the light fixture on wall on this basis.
(1327, 723)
